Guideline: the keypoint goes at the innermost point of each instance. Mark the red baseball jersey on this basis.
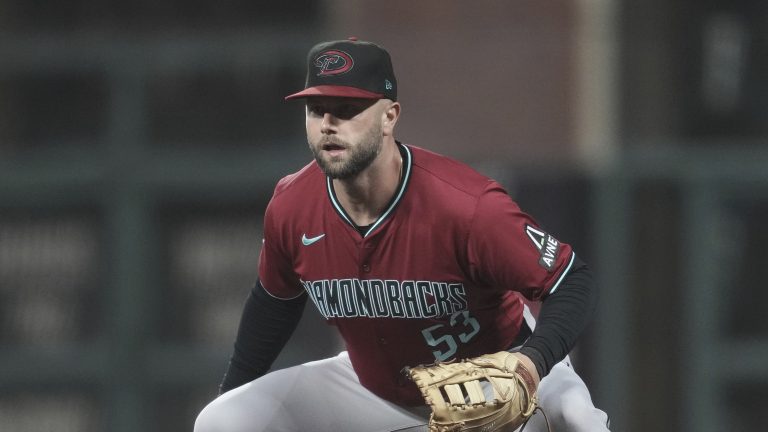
(436, 277)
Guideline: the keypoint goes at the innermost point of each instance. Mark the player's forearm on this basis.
(265, 327)
(563, 317)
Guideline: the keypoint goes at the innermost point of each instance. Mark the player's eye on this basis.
(315, 109)
(346, 111)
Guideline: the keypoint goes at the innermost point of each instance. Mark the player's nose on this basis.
(328, 125)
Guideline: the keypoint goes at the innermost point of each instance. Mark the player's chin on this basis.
(335, 169)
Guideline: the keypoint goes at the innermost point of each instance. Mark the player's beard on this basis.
(356, 158)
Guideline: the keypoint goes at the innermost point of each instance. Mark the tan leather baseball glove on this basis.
(493, 392)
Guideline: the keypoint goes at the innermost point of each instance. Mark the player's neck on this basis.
(366, 196)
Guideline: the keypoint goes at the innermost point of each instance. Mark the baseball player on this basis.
(414, 257)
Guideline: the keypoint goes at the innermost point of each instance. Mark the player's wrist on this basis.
(529, 365)
(536, 360)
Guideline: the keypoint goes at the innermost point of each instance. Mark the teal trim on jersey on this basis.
(336, 205)
(407, 162)
(565, 272)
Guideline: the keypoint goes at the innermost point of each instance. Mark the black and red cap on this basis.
(349, 68)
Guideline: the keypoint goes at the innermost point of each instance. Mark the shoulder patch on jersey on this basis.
(548, 246)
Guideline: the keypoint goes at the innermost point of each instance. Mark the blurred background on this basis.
(140, 142)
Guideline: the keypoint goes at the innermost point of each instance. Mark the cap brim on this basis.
(335, 91)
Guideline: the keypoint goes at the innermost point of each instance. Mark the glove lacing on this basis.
(546, 420)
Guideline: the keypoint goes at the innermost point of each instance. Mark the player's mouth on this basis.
(333, 149)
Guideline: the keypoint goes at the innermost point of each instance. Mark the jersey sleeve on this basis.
(507, 249)
(276, 271)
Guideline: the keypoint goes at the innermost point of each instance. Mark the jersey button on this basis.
(382, 341)
(366, 268)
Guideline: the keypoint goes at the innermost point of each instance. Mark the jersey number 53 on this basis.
(461, 328)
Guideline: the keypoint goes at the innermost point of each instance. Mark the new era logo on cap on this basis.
(349, 68)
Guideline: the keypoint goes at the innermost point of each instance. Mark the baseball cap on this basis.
(349, 68)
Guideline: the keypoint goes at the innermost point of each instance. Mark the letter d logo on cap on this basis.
(334, 62)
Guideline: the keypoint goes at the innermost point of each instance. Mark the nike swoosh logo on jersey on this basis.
(308, 241)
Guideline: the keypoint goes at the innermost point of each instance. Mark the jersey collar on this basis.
(407, 165)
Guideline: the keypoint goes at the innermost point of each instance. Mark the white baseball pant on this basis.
(326, 396)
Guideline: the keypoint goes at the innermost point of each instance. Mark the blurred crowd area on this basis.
(140, 142)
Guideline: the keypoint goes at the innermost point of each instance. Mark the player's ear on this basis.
(390, 115)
